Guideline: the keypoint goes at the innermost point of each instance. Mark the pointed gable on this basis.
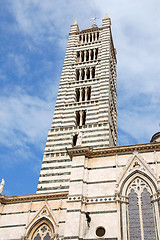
(135, 164)
(44, 213)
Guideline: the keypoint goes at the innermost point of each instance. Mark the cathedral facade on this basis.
(89, 188)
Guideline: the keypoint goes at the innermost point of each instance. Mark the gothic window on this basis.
(133, 213)
(43, 232)
(88, 73)
(147, 216)
(90, 37)
(78, 56)
(96, 53)
(89, 93)
(75, 139)
(91, 54)
(83, 117)
(141, 224)
(94, 36)
(83, 38)
(83, 94)
(93, 72)
(77, 74)
(82, 56)
(97, 35)
(87, 55)
(80, 38)
(87, 37)
(77, 95)
(82, 74)
(77, 118)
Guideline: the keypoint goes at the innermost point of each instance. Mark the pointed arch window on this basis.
(141, 220)
(43, 232)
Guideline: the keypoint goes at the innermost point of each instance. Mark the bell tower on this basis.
(86, 107)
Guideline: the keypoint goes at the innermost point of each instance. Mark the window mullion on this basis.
(140, 215)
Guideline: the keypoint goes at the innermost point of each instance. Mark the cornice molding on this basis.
(33, 197)
(94, 152)
(77, 151)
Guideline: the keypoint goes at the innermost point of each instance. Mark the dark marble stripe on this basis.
(11, 226)
(81, 180)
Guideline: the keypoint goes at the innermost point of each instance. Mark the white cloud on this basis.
(24, 119)
(18, 62)
(48, 20)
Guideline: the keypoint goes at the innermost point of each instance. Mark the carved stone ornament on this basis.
(136, 164)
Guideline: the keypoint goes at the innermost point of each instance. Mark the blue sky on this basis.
(33, 37)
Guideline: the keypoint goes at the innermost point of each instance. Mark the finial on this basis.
(159, 124)
(94, 25)
(2, 186)
(75, 22)
(94, 19)
(106, 16)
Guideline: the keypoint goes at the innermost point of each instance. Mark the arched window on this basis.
(77, 118)
(97, 35)
(96, 53)
(87, 55)
(91, 54)
(83, 117)
(83, 94)
(83, 37)
(88, 93)
(90, 37)
(88, 73)
(93, 72)
(43, 229)
(75, 139)
(141, 220)
(78, 56)
(77, 95)
(87, 38)
(94, 36)
(77, 74)
(43, 232)
(82, 74)
(82, 56)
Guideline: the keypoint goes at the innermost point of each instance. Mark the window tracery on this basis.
(141, 222)
(42, 233)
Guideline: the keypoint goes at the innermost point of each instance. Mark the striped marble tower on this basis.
(85, 112)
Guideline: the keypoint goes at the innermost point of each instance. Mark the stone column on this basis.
(140, 216)
(80, 74)
(92, 37)
(85, 56)
(89, 54)
(95, 36)
(90, 70)
(80, 97)
(85, 73)
(94, 54)
(86, 91)
(81, 120)
(80, 58)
